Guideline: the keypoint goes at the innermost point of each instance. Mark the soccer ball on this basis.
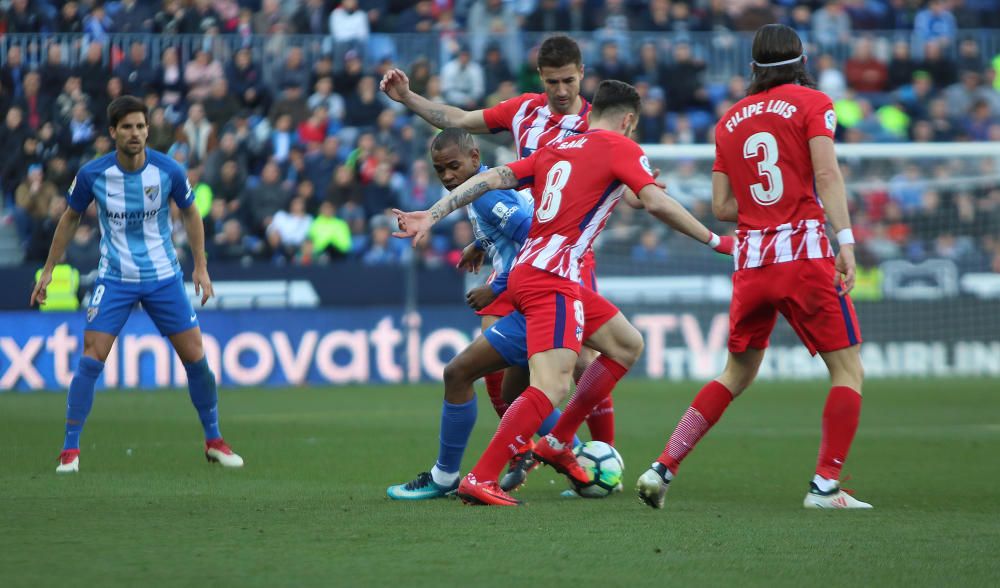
(603, 463)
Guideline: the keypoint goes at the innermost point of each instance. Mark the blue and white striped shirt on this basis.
(500, 221)
(134, 213)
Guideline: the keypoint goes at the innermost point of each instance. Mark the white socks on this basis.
(825, 484)
(445, 479)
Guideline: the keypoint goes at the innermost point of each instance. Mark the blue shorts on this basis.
(509, 337)
(165, 301)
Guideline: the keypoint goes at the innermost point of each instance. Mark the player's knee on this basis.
(454, 374)
(630, 346)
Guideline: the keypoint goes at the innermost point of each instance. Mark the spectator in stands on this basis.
(906, 188)
(229, 186)
(970, 58)
(53, 72)
(322, 163)
(347, 79)
(382, 249)
(198, 133)
(93, 73)
(69, 19)
(136, 72)
(495, 68)
(652, 123)
(349, 26)
(293, 72)
(228, 150)
(831, 25)
(200, 19)
(199, 74)
(940, 66)
(14, 130)
(13, 70)
(247, 83)
(84, 251)
(962, 95)
(49, 144)
(378, 196)
(611, 66)
(979, 120)
(490, 18)
(6, 98)
(169, 80)
(311, 18)
(756, 14)
(80, 132)
(800, 19)
(649, 68)
(132, 17)
(649, 250)
(462, 81)
(935, 23)
(685, 89)
(221, 106)
(41, 237)
(231, 244)
(32, 199)
(329, 236)
(865, 73)
(613, 18)
(289, 230)
(326, 97)
(263, 201)
(167, 21)
(161, 132)
(312, 131)
(419, 18)
(23, 18)
(37, 107)
(266, 20)
(829, 77)
(363, 107)
(97, 24)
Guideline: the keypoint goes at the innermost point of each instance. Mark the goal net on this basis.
(927, 220)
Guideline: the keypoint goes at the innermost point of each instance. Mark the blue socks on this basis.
(201, 387)
(549, 422)
(80, 399)
(457, 421)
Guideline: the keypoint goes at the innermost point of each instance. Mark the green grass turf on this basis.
(310, 507)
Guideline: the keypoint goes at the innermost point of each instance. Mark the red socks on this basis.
(518, 424)
(494, 387)
(595, 385)
(704, 412)
(840, 422)
(601, 422)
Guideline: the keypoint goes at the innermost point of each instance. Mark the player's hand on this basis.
(202, 284)
(845, 269)
(413, 224)
(395, 84)
(40, 293)
(479, 298)
(472, 259)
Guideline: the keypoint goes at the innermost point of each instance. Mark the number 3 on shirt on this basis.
(767, 168)
(555, 181)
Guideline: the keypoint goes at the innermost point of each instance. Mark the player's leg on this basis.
(601, 420)
(458, 417)
(110, 305)
(168, 306)
(494, 380)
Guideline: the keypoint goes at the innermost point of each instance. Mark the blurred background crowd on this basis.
(295, 156)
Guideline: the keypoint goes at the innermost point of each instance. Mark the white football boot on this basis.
(834, 499)
(653, 485)
(218, 451)
(69, 461)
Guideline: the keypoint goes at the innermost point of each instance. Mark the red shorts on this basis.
(804, 292)
(501, 306)
(588, 273)
(559, 313)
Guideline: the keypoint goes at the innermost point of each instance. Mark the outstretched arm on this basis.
(418, 224)
(397, 86)
(670, 212)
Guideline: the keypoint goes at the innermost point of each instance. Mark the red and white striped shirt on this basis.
(533, 123)
(762, 145)
(575, 186)
(805, 239)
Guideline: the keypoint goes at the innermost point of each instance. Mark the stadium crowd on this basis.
(298, 163)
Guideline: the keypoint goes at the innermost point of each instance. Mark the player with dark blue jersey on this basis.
(133, 188)
(500, 224)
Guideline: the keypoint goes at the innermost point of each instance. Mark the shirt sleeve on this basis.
(524, 169)
(507, 215)
(719, 165)
(632, 166)
(821, 120)
(500, 118)
(81, 192)
(180, 188)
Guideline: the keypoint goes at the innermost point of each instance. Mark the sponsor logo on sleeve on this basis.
(830, 118)
(644, 162)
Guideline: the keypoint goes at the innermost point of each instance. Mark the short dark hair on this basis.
(559, 51)
(454, 136)
(123, 106)
(615, 95)
(771, 44)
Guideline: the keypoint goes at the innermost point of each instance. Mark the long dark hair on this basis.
(771, 44)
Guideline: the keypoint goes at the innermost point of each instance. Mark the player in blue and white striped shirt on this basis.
(133, 187)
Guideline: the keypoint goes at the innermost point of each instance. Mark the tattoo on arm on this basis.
(438, 118)
(507, 177)
(457, 200)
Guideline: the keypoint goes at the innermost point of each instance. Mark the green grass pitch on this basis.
(310, 507)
